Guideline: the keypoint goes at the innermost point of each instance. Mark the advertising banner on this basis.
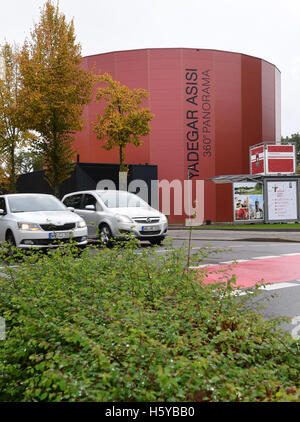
(248, 201)
(282, 200)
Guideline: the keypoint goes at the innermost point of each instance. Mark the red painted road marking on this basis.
(271, 270)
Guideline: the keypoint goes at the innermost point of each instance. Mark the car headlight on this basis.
(123, 219)
(80, 224)
(29, 226)
(164, 218)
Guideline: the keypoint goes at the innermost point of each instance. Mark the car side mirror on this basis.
(2, 211)
(90, 207)
(71, 209)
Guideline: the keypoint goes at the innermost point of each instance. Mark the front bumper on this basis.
(45, 239)
(142, 231)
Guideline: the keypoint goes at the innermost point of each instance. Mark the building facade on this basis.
(209, 107)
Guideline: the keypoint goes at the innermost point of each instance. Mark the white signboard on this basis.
(282, 200)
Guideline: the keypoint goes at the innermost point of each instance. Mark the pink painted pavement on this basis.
(271, 270)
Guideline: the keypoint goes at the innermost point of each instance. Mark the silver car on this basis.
(38, 221)
(111, 213)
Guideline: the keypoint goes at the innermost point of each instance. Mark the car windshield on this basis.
(120, 199)
(29, 203)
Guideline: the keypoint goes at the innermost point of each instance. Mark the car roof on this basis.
(94, 191)
(27, 194)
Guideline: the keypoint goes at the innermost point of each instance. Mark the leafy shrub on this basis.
(114, 325)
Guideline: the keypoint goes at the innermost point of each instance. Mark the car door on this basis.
(90, 215)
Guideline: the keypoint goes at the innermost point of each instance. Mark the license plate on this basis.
(150, 228)
(59, 235)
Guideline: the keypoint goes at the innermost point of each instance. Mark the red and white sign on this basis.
(280, 159)
(257, 160)
(272, 159)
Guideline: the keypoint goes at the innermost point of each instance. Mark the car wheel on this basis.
(156, 240)
(10, 239)
(105, 235)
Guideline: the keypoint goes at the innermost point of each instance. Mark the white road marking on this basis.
(276, 286)
(269, 287)
(235, 261)
(290, 254)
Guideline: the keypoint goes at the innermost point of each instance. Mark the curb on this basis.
(251, 239)
(233, 229)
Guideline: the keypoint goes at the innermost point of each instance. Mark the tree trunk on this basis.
(12, 182)
(121, 158)
(56, 190)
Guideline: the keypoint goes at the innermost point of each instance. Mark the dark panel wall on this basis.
(86, 177)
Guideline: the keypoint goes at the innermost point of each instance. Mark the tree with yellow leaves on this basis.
(54, 90)
(123, 121)
(13, 135)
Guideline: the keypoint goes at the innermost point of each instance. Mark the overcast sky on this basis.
(269, 29)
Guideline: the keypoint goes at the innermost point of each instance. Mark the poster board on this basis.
(282, 200)
(248, 201)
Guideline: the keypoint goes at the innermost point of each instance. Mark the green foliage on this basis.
(112, 325)
(28, 161)
(294, 138)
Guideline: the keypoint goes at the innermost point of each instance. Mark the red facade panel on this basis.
(251, 107)
(228, 126)
(210, 107)
(199, 122)
(268, 102)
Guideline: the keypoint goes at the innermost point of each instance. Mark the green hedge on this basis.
(114, 325)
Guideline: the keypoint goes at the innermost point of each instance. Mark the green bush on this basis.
(114, 325)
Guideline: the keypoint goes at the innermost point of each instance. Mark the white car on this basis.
(112, 213)
(38, 221)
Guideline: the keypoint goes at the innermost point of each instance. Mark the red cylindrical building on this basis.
(209, 107)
